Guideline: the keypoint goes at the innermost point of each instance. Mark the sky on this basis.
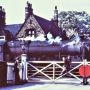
(15, 9)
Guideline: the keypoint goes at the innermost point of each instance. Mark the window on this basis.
(31, 32)
(2, 38)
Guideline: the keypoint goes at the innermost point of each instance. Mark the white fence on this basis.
(38, 71)
(51, 70)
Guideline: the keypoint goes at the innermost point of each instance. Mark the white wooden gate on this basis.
(51, 70)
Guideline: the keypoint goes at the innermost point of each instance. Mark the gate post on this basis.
(23, 69)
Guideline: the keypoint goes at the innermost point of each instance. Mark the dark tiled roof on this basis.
(44, 23)
(13, 28)
(48, 26)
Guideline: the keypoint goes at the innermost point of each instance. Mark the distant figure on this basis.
(85, 52)
(16, 70)
(67, 64)
(85, 55)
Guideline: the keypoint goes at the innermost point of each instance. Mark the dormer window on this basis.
(31, 32)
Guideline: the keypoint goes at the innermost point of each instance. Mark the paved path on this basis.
(64, 85)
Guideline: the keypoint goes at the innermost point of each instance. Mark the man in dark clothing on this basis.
(88, 53)
(85, 51)
(67, 64)
(16, 70)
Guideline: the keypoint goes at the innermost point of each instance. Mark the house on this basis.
(34, 25)
(33, 28)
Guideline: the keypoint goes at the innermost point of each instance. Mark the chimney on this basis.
(55, 19)
(28, 10)
(2, 17)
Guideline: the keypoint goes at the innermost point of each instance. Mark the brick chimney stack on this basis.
(28, 10)
(55, 18)
(2, 17)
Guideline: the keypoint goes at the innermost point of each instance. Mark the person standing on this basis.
(85, 56)
(67, 64)
(88, 52)
(16, 70)
(85, 51)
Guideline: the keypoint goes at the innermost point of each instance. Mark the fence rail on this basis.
(51, 70)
